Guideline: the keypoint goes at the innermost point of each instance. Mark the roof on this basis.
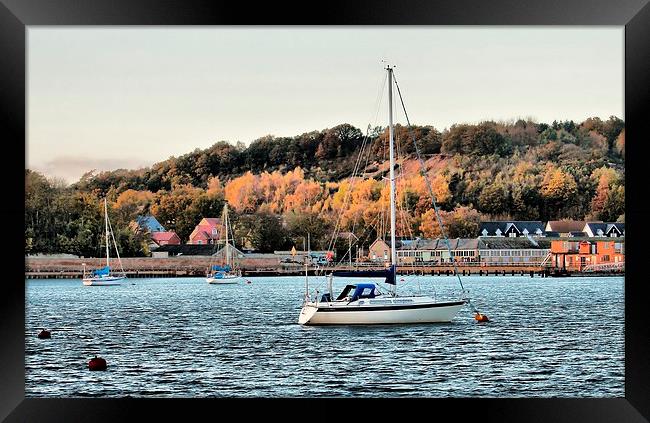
(530, 225)
(440, 244)
(212, 221)
(163, 236)
(150, 223)
(398, 242)
(513, 243)
(188, 249)
(565, 226)
(606, 227)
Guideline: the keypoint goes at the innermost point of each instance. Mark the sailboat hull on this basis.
(375, 313)
(105, 281)
(224, 280)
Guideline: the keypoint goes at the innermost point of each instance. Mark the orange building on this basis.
(587, 254)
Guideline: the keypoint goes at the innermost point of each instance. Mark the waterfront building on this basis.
(511, 229)
(588, 254)
(513, 251)
(435, 251)
(487, 251)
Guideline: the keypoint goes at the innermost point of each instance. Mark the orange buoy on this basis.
(481, 317)
(97, 363)
(44, 334)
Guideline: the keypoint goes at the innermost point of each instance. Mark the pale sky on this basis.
(110, 97)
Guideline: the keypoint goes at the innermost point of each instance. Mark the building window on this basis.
(199, 242)
(606, 258)
(512, 235)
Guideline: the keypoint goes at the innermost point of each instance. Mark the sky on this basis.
(126, 97)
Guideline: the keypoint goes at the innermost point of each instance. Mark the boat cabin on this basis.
(362, 290)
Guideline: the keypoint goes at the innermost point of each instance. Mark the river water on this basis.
(181, 337)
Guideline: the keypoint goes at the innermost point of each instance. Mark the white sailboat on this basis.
(362, 303)
(103, 276)
(224, 275)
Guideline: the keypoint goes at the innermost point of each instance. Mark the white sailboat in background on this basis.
(223, 275)
(103, 276)
(363, 303)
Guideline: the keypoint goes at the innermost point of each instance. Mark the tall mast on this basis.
(393, 252)
(106, 224)
(306, 267)
(225, 218)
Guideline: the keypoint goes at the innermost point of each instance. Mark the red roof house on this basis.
(165, 238)
(207, 231)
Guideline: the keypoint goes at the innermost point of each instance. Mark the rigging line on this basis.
(433, 199)
(355, 173)
(351, 186)
(115, 243)
(402, 208)
(368, 144)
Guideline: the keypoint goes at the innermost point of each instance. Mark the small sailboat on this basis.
(224, 274)
(363, 303)
(103, 276)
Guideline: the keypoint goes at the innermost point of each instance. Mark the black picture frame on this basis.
(16, 15)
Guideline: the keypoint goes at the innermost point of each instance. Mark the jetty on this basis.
(196, 266)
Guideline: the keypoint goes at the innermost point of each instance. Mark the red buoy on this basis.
(97, 363)
(44, 334)
(481, 317)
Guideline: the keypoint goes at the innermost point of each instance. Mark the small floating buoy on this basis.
(481, 317)
(97, 363)
(247, 281)
(44, 334)
(401, 280)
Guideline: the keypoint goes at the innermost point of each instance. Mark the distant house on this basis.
(380, 250)
(149, 223)
(165, 238)
(566, 227)
(512, 229)
(604, 229)
(207, 231)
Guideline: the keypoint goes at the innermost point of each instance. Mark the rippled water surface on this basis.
(184, 338)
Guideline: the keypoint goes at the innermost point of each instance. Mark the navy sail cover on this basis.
(221, 268)
(102, 271)
(388, 274)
